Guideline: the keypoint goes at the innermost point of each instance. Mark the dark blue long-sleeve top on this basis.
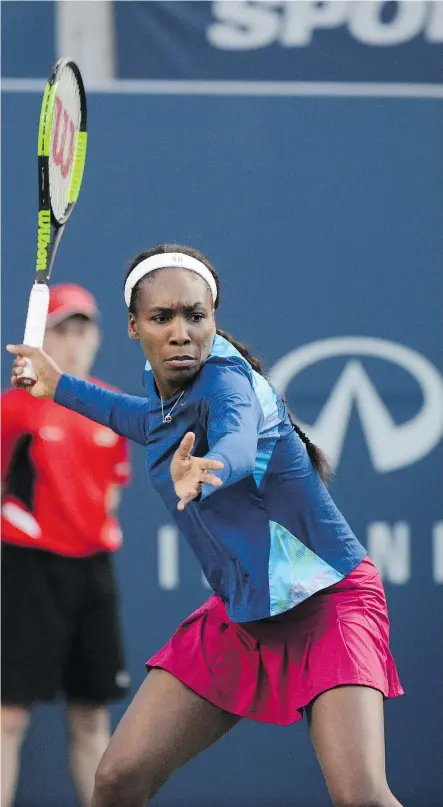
(271, 536)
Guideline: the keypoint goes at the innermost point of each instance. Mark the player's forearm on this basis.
(124, 414)
(237, 452)
(233, 431)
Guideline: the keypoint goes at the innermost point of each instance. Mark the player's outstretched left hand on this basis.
(190, 473)
(47, 371)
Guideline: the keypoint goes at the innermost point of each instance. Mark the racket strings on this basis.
(65, 125)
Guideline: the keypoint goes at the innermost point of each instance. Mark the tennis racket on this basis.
(61, 150)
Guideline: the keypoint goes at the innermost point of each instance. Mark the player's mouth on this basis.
(181, 361)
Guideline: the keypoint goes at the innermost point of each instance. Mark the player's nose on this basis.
(179, 334)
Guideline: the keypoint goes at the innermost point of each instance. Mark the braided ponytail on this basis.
(316, 455)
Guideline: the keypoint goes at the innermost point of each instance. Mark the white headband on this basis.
(168, 260)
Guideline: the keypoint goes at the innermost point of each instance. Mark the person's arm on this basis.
(235, 417)
(120, 474)
(233, 426)
(113, 499)
(234, 421)
(121, 471)
(124, 414)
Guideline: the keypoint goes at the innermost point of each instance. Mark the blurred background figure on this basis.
(61, 481)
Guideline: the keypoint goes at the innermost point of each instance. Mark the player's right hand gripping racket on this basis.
(61, 152)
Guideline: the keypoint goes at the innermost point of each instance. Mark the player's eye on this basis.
(197, 317)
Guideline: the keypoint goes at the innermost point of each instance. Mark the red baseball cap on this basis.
(67, 299)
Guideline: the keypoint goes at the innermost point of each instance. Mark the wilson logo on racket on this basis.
(43, 239)
(59, 139)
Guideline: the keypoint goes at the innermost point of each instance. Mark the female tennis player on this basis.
(298, 619)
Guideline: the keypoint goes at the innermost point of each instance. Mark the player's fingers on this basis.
(186, 446)
(211, 479)
(184, 501)
(23, 350)
(211, 465)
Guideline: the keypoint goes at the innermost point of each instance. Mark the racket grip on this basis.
(35, 328)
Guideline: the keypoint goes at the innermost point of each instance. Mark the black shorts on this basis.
(60, 628)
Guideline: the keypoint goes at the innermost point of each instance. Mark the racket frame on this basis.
(50, 227)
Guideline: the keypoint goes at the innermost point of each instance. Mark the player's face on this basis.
(73, 344)
(175, 325)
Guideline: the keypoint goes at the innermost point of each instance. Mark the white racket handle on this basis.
(35, 328)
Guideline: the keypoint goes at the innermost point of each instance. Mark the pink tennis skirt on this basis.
(271, 669)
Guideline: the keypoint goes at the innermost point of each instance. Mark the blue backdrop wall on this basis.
(323, 216)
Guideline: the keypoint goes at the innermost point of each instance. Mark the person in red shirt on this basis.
(61, 476)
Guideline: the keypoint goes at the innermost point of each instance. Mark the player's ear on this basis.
(132, 328)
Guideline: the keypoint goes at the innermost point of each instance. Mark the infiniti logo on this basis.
(390, 446)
